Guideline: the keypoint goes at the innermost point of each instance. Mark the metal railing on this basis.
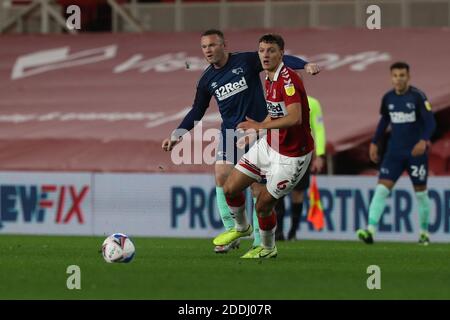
(47, 10)
(224, 14)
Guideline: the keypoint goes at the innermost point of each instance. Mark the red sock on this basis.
(237, 211)
(269, 222)
(237, 201)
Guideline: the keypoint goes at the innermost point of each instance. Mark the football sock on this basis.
(296, 213)
(224, 211)
(376, 207)
(237, 211)
(267, 226)
(256, 234)
(281, 211)
(423, 202)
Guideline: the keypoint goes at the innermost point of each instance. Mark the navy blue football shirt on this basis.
(410, 117)
(237, 89)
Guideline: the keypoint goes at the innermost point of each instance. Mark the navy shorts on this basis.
(227, 149)
(394, 164)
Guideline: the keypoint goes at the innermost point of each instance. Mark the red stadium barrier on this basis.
(104, 102)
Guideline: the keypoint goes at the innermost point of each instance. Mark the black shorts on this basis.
(227, 149)
(303, 184)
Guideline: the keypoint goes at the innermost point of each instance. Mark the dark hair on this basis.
(400, 65)
(217, 32)
(273, 38)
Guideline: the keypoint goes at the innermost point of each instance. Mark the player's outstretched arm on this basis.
(292, 62)
(168, 144)
(201, 103)
(296, 63)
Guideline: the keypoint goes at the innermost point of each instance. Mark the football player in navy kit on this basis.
(407, 110)
(233, 79)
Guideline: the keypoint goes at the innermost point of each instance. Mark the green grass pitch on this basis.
(34, 267)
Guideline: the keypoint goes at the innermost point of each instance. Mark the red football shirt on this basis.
(285, 89)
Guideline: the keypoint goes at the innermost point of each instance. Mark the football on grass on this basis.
(118, 247)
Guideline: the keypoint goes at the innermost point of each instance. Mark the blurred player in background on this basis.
(233, 79)
(408, 111)
(317, 165)
(282, 156)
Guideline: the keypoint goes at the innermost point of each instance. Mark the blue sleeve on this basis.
(430, 125)
(427, 116)
(294, 62)
(201, 103)
(383, 123)
(381, 128)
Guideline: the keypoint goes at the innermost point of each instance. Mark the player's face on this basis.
(270, 55)
(213, 48)
(400, 79)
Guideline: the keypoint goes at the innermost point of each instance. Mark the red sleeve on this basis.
(292, 87)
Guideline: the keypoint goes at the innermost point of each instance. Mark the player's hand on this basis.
(249, 124)
(168, 144)
(317, 164)
(245, 140)
(373, 153)
(419, 149)
(312, 68)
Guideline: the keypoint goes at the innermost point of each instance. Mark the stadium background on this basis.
(82, 116)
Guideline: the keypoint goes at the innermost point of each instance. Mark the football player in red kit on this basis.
(281, 156)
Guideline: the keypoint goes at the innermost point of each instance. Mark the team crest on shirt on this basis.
(238, 70)
(410, 105)
(391, 106)
(289, 89)
(428, 105)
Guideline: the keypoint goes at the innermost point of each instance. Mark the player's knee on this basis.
(222, 171)
(263, 208)
(256, 189)
(221, 179)
(229, 190)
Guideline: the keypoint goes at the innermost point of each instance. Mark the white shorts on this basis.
(281, 172)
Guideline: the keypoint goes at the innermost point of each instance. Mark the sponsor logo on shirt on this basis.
(276, 109)
(230, 89)
(402, 117)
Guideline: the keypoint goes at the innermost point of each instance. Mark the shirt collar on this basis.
(277, 73)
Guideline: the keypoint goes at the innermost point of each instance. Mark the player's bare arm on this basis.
(293, 117)
(312, 68)
(373, 153)
(251, 135)
(419, 149)
(169, 143)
